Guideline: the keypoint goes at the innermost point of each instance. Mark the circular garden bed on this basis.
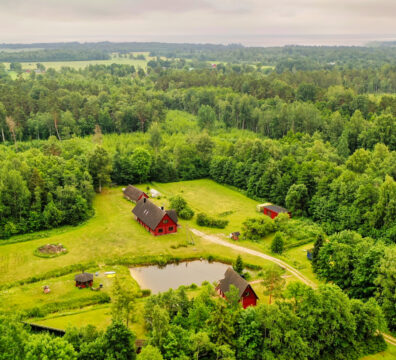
(50, 250)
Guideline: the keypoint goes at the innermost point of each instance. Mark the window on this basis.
(160, 230)
(170, 228)
(166, 221)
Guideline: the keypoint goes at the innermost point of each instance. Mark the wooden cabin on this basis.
(84, 280)
(155, 219)
(134, 194)
(274, 210)
(247, 295)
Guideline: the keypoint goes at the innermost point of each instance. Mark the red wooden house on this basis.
(134, 194)
(246, 293)
(155, 219)
(274, 210)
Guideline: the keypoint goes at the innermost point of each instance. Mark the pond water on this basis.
(160, 279)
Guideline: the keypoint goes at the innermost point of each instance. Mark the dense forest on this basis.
(317, 138)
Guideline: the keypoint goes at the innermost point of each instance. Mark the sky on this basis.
(249, 22)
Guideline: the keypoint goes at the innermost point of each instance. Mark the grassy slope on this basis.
(111, 233)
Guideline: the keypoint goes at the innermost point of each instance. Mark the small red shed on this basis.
(246, 293)
(274, 210)
(155, 219)
(134, 194)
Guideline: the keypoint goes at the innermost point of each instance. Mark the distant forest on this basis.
(282, 58)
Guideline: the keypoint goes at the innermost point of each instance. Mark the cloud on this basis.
(227, 21)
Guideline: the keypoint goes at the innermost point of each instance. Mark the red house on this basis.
(134, 194)
(246, 293)
(155, 219)
(274, 210)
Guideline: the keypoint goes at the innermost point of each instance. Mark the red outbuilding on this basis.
(84, 280)
(274, 210)
(155, 219)
(134, 194)
(247, 295)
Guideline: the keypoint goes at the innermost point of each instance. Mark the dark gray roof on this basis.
(133, 193)
(173, 215)
(231, 277)
(276, 208)
(84, 277)
(151, 214)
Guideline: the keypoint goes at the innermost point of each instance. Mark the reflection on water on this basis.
(173, 275)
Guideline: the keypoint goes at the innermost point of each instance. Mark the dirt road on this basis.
(215, 239)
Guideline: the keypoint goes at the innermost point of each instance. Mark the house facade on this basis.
(155, 219)
(247, 295)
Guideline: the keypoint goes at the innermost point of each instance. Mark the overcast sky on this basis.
(251, 22)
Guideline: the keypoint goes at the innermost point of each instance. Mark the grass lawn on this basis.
(113, 233)
(389, 354)
(63, 291)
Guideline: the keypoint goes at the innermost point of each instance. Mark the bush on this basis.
(187, 213)
(257, 228)
(205, 220)
(146, 292)
(277, 244)
(180, 205)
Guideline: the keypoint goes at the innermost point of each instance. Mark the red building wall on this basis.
(272, 214)
(166, 226)
(248, 298)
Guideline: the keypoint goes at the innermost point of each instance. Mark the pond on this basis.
(160, 279)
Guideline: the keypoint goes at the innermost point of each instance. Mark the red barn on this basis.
(155, 219)
(274, 210)
(246, 293)
(134, 194)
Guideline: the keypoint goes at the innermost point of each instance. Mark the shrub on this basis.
(187, 213)
(146, 292)
(205, 220)
(257, 228)
(277, 244)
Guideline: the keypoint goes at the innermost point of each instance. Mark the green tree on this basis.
(386, 283)
(150, 352)
(119, 342)
(46, 347)
(140, 165)
(99, 164)
(297, 199)
(239, 266)
(277, 244)
(273, 281)
(123, 299)
(206, 117)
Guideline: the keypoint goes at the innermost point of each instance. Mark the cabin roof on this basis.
(133, 193)
(231, 277)
(173, 215)
(83, 277)
(276, 208)
(151, 214)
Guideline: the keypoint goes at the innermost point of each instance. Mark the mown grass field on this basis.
(112, 233)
